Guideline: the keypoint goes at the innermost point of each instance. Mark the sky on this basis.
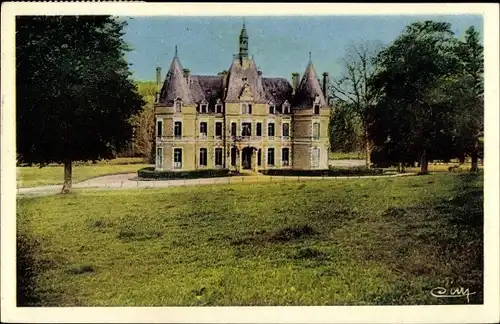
(279, 45)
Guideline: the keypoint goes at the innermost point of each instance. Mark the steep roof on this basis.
(308, 89)
(243, 71)
(277, 90)
(206, 87)
(175, 85)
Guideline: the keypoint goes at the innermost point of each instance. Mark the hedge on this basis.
(323, 172)
(150, 173)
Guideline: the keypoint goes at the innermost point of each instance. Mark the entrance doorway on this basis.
(246, 158)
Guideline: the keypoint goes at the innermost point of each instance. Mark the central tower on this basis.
(243, 42)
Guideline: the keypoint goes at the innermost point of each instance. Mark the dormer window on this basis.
(316, 109)
(203, 108)
(272, 108)
(178, 105)
(246, 108)
(286, 108)
(218, 107)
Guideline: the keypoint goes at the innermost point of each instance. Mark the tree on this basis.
(352, 88)
(416, 117)
(144, 124)
(74, 96)
(345, 129)
(468, 95)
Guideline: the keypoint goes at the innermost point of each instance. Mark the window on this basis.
(178, 106)
(272, 109)
(259, 157)
(233, 156)
(233, 129)
(246, 108)
(270, 129)
(178, 129)
(285, 156)
(218, 108)
(259, 129)
(159, 158)
(203, 129)
(286, 130)
(315, 155)
(286, 108)
(316, 109)
(316, 131)
(246, 129)
(203, 108)
(218, 156)
(270, 156)
(159, 128)
(177, 158)
(203, 157)
(218, 129)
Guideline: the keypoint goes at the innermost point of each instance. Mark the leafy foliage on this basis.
(74, 95)
(422, 113)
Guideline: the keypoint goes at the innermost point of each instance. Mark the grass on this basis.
(347, 242)
(54, 174)
(346, 155)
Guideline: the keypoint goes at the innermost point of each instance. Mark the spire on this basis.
(243, 41)
(175, 85)
(309, 88)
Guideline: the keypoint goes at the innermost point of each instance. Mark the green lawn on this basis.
(54, 174)
(344, 242)
(346, 155)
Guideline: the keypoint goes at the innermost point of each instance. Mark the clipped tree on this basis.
(415, 116)
(75, 99)
(353, 90)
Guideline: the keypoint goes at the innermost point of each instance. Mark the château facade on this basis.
(240, 119)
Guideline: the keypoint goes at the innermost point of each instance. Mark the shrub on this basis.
(150, 173)
(332, 172)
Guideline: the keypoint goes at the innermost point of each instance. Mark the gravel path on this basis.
(130, 181)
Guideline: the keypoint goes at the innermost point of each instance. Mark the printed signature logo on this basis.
(441, 292)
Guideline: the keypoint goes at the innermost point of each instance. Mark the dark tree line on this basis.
(419, 99)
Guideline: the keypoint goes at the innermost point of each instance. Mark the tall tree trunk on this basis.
(474, 165)
(68, 166)
(424, 164)
(368, 150)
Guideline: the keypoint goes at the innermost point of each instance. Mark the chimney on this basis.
(158, 81)
(223, 74)
(295, 81)
(186, 72)
(326, 83)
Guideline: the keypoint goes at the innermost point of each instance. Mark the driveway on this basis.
(130, 181)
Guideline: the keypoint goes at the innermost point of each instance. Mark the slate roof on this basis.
(277, 90)
(206, 88)
(175, 85)
(199, 88)
(308, 89)
(243, 70)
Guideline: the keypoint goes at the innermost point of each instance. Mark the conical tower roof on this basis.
(309, 89)
(175, 85)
